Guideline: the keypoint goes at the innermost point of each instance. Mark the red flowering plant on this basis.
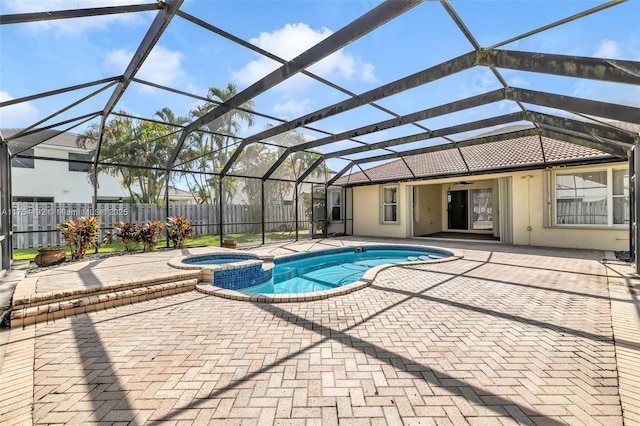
(128, 234)
(178, 229)
(80, 234)
(150, 234)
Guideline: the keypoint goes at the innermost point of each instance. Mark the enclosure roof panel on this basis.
(427, 87)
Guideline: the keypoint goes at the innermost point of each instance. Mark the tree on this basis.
(196, 182)
(136, 151)
(209, 151)
(297, 162)
(257, 158)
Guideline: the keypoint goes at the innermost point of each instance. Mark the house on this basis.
(56, 170)
(178, 196)
(531, 190)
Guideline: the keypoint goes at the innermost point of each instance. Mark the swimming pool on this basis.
(324, 271)
(305, 276)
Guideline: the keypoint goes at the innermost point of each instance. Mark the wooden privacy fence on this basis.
(35, 224)
(581, 212)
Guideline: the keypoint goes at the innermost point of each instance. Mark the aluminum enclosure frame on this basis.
(595, 127)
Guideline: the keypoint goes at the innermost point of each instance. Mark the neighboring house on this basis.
(59, 173)
(527, 191)
(37, 179)
(178, 196)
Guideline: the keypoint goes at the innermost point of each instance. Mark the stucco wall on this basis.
(366, 213)
(529, 207)
(429, 210)
(527, 201)
(53, 179)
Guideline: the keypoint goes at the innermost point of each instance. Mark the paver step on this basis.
(52, 308)
(40, 298)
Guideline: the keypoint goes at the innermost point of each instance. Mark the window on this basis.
(32, 199)
(335, 204)
(21, 162)
(76, 166)
(598, 197)
(620, 197)
(390, 204)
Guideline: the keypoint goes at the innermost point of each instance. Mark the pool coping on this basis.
(207, 273)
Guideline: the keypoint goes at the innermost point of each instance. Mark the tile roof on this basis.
(500, 155)
(61, 139)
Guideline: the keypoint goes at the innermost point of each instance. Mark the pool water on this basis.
(327, 271)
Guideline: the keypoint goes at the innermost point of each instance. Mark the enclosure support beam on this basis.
(75, 13)
(262, 208)
(586, 141)
(420, 78)
(636, 206)
(220, 209)
(297, 215)
(310, 170)
(475, 125)
(344, 209)
(159, 24)
(94, 202)
(558, 23)
(166, 203)
(576, 139)
(5, 206)
(571, 104)
(586, 128)
(613, 70)
(632, 203)
(57, 91)
(340, 173)
(361, 26)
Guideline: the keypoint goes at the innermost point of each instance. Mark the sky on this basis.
(42, 56)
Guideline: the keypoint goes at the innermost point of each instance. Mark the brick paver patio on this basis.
(506, 335)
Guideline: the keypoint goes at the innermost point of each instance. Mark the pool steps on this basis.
(233, 276)
(47, 307)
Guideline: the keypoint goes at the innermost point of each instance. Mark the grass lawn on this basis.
(207, 240)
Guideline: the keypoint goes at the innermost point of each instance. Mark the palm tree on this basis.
(138, 151)
(194, 182)
(224, 130)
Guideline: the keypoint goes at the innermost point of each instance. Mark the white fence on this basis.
(35, 224)
(581, 212)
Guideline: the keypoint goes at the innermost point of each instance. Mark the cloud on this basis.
(76, 25)
(17, 115)
(608, 49)
(162, 66)
(290, 41)
(607, 92)
(480, 80)
(485, 81)
(288, 107)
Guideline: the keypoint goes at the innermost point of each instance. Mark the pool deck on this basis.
(505, 335)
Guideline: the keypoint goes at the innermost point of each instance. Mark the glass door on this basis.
(482, 209)
(470, 210)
